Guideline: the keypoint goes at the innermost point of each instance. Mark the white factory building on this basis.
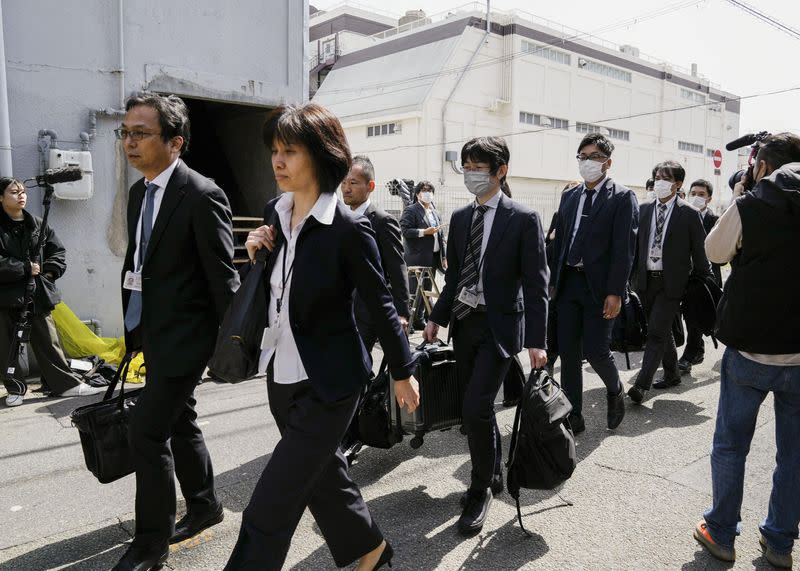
(411, 91)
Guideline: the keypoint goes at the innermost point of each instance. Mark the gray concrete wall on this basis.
(63, 61)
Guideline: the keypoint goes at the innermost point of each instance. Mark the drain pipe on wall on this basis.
(455, 87)
(5, 123)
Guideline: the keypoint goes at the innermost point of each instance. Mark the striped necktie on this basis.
(661, 217)
(472, 259)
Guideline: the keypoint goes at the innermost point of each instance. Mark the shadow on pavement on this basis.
(423, 542)
(75, 553)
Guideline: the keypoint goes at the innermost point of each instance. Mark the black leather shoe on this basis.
(496, 486)
(386, 557)
(142, 559)
(576, 423)
(637, 394)
(666, 383)
(616, 409)
(684, 366)
(475, 512)
(191, 524)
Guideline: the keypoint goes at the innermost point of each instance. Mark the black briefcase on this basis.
(103, 428)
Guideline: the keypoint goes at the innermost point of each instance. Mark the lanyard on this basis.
(284, 277)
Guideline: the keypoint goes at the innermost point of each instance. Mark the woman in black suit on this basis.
(315, 361)
(423, 237)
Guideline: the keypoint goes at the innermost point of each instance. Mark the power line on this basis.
(663, 11)
(766, 18)
(607, 120)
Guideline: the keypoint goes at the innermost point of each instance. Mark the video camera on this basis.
(746, 175)
(404, 188)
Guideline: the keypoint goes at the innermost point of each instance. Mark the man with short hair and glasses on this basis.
(593, 253)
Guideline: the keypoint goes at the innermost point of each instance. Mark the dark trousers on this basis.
(47, 348)
(479, 360)
(695, 346)
(660, 344)
(306, 469)
(166, 442)
(583, 332)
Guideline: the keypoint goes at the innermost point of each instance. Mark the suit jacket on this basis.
(683, 249)
(188, 277)
(709, 221)
(331, 264)
(419, 250)
(390, 248)
(610, 246)
(514, 276)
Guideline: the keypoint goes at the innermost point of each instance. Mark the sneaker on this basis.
(14, 400)
(82, 390)
(703, 536)
(779, 560)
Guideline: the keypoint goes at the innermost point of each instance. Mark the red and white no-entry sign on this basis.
(717, 159)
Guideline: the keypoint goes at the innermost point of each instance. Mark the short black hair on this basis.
(705, 184)
(673, 168)
(320, 132)
(366, 166)
(173, 115)
(491, 150)
(779, 149)
(6, 182)
(650, 184)
(424, 185)
(602, 142)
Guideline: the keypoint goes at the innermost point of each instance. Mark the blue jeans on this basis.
(744, 387)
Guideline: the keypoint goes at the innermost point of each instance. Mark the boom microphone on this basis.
(746, 140)
(56, 176)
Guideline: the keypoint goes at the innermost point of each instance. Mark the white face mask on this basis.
(650, 195)
(477, 182)
(698, 202)
(426, 197)
(591, 171)
(663, 189)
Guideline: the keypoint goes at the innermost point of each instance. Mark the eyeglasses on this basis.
(123, 134)
(593, 157)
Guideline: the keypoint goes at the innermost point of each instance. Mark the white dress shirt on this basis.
(363, 208)
(488, 220)
(579, 214)
(659, 265)
(432, 223)
(288, 367)
(161, 180)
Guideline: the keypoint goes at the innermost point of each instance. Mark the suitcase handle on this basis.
(122, 372)
(436, 343)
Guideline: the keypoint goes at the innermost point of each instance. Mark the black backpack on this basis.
(542, 452)
(630, 327)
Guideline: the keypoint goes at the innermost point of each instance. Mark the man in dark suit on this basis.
(700, 193)
(593, 255)
(423, 236)
(670, 248)
(178, 278)
(357, 187)
(495, 303)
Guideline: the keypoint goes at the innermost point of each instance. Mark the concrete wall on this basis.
(63, 61)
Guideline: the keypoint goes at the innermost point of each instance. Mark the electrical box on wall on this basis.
(80, 189)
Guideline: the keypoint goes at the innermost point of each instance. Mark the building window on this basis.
(543, 121)
(619, 134)
(385, 129)
(587, 128)
(693, 96)
(546, 53)
(690, 147)
(607, 70)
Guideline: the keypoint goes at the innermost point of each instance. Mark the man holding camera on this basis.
(758, 323)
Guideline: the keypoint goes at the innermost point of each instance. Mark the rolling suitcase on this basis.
(440, 390)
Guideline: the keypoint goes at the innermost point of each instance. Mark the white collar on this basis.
(492, 202)
(162, 180)
(669, 203)
(363, 207)
(322, 211)
(598, 187)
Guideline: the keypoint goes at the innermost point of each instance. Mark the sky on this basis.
(732, 48)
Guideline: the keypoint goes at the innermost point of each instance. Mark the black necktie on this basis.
(576, 251)
(469, 269)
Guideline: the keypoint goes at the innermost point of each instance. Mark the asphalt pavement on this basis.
(637, 491)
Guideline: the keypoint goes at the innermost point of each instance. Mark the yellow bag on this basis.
(78, 341)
